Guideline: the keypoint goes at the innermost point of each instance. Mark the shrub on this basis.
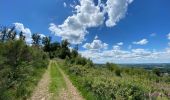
(78, 70)
(20, 70)
(157, 71)
(111, 66)
(118, 72)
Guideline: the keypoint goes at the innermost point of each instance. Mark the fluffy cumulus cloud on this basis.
(74, 27)
(116, 10)
(88, 15)
(26, 31)
(117, 55)
(141, 42)
(96, 45)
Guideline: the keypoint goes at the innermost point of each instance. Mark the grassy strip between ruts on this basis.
(57, 81)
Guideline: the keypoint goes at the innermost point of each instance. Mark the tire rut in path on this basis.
(70, 93)
(41, 91)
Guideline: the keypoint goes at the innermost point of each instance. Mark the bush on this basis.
(157, 71)
(111, 66)
(78, 70)
(20, 69)
(118, 72)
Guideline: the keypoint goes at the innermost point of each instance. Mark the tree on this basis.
(21, 36)
(46, 41)
(3, 33)
(74, 52)
(11, 33)
(36, 39)
(64, 44)
(64, 51)
(54, 46)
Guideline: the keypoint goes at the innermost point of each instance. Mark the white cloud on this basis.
(26, 31)
(116, 10)
(42, 35)
(141, 42)
(117, 55)
(130, 1)
(64, 4)
(96, 45)
(74, 27)
(120, 43)
(88, 15)
(168, 36)
(116, 47)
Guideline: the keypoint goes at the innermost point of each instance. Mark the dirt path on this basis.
(41, 91)
(70, 93)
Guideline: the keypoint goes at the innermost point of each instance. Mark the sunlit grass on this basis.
(57, 81)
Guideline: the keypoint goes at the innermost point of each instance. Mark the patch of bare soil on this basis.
(41, 91)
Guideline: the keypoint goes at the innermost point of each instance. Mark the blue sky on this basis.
(120, 31)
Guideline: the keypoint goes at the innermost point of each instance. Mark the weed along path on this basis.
(55, 85)
(41, 91)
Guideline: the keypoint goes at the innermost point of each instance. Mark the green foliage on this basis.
(111, 66)
(157, 72)
(6, 34)
(118, 72)
(105, 83)
(36, 39)
(21, 67)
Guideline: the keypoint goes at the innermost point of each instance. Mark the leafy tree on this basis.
(11, 33)
(54, 50)
(3, 33)
(36, 39)
(74, 53)
(64, 51)
(54, 46)
(21, 36)
(46, 41)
